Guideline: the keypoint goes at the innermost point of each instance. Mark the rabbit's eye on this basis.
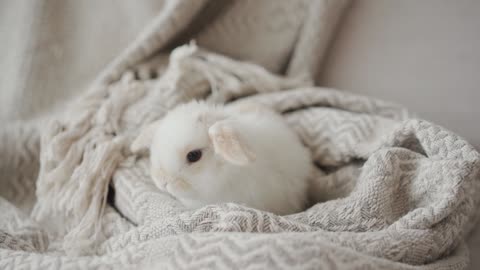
(194, 156)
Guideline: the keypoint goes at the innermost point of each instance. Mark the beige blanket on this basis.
(389, 192)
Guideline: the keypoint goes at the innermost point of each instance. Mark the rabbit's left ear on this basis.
(228, 145)
(144, 139)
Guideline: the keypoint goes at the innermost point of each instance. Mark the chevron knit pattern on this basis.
(388, 191)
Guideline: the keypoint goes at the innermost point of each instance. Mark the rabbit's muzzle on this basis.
(165, 182)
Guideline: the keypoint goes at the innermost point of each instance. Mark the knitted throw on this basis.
(389, 191)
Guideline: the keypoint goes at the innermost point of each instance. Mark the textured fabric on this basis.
(393, 192)
(52, 49)
(389, 191)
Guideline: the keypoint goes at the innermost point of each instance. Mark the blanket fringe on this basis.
(196, 73)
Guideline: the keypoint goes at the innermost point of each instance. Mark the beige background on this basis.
(423, 54)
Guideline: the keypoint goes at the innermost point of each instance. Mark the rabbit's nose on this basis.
(160, 178)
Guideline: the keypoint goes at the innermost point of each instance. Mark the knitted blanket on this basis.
(389, 191)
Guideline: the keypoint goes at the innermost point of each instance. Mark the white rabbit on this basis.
(205, 154)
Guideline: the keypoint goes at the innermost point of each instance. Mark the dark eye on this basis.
(194, 156)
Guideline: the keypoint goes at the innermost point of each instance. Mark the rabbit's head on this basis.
(190, 147)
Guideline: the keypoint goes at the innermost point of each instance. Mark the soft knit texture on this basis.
(390, 192)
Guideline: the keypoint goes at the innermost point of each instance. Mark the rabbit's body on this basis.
(249, 156)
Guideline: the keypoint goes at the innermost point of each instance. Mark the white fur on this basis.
(272, 174)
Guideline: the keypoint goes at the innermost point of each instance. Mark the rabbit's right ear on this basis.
(144, 139)
(228, 144)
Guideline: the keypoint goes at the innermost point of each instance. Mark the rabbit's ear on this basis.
(144, 139)
(228, 145)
